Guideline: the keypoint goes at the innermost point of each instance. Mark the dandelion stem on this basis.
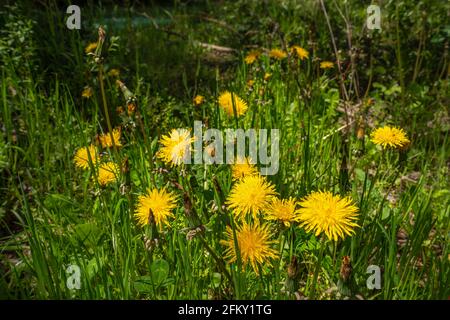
(318, 267)
(238, 257)
(105, 106)
(219, 261)
(147, 144)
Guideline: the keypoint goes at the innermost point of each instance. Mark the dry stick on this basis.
(99, 60)
(341, 76)
(353, 72)
(215, 47)
(338, 62)
(399, 55)
(222, 24)
(337, 130)
(369, 84)
(157, 27)
(105, 108)
(418, 55)
(184, 36)
(151, 19)
(444, 61)
(350, 48)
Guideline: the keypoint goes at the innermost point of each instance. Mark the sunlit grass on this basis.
(83, 213)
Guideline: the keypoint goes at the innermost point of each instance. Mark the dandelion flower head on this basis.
(328, 213)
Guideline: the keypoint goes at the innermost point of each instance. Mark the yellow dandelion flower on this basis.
(243, 168)
(155, 207)
(252, 56)
(250, 83)
(87, 92)
(107, 142)
(255, 246)
(114, 73)
(250, 195)
(228, 99)
(267, 76)
(283, 210)
(300, 52)
(175, 146)
(390, 137)
(81, 158)
(198, 100)
(90, 47)
(324, 212)
(107, 172)
(326, 65)
(277, 54)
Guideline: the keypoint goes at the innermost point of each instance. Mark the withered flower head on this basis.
(346, 268)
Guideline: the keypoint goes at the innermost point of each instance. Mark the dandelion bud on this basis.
(402, 238)
(360, 132)
(101, 34)
(125, 165)
(293, 269)
(119, 110)
(129, 96)
(194, 232)
(150, 244)
(405, 146)
(131, 107)
(346, 268)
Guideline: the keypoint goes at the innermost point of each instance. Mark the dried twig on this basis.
(215, 47)
(338, 61)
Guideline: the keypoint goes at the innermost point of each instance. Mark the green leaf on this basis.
(159, 270)
(87, 233)
(143, 284)
(135, 178)
(441, 193)
(385, 213)
(360, 174)
(93, 267)
(217, 277)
